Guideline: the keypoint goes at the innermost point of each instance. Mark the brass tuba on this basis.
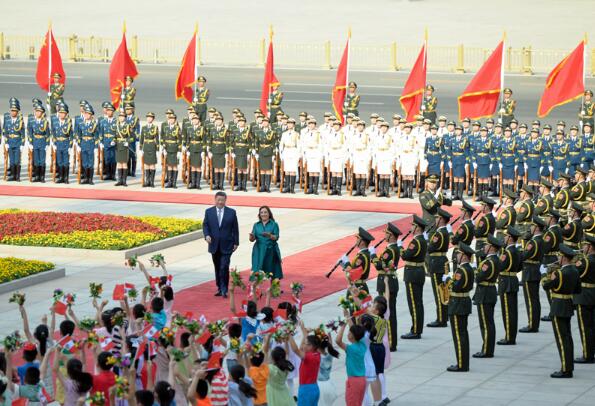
(444, 291)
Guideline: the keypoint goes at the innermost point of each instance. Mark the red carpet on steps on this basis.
(308, 267)
(277, 201)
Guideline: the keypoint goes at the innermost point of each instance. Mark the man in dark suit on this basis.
(221, 231)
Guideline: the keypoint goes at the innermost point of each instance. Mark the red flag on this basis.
(413, 92)
(119, 292)
(122, 65)
(204, 337)
(187, 73)
(269, 80)
(214, 361)
(340, 89)
(280, 314)
(565, 83)
(49, 62)
(480, 97)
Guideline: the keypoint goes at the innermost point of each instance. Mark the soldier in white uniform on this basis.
(408, 160)
(289, 150)
(442, 129)
(421, 133)
(336, 152)
(360, 151)
(372, 131)
(312, 155)
(384, 157)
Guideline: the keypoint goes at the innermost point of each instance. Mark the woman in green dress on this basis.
(266, 255)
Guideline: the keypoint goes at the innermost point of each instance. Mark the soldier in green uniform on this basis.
(438, 244)
(466, 231)
(352, 99)
(588, 221)
(532, 258)
(507, 216)
(171, 143)
(506, 110)
(129, 92)
(429, 104)
(358, 270)
(485, 296)
(149, 145)
(572, 232)
(275, 100)
(585, 301)
(265, 142)
(168, 114)
(486, 225)
(587, 109)
(459, 306)
(218, 148)
(241, 144)
(525, 210)
(195, 151)
(123, 139)
(430, 200)
(56, 93)
(580, 190)
(200, 99)
(551, 246)
(545, 202)
(386, 265)
(415, 276)
(562, 199)
(302, 122)
(563, 284)
(508, 285)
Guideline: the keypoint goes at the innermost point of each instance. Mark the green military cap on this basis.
(582, 170)
(303, 114)
(374, 115)
(512, 231)
(257, 111)
(419, 117)
(467, 207)
(82, 103)
(538, 221)
(536, 122)
(559, 132)
(547, 127)
(507, 90)
(554, 213)
(564, 176)
(418, 221)
(194, 117)
(427, 121)
(39, 108)
(514, 120)
(220, 117)
(562, 123)
(364, 235)
(466, 120)
(466, 249)
(129, 105)
(490, 121)
(458, 127)
(189, 108)
(36, 102)
(56, 75)
(574, 127)
(588, 93)
(444, 214)
(487, 201)
(452, 123)
(169, 111)
(430, 87)
(130, 78)
(483, 129)
(432, 179)
(352, 84)
(527, 190)
(408, 125)
(510, 194)
(442, 118)
(212, 110)
(394, 230)
(576, 206)
(495, 241)
(498, 125)
(173, 116)
(201, 79)
(546, 183)
(589, 239)
(476, 123)
(522, 125)
(567, 251)
(279, 113)
(291, 120)
(586, 124)
(534, 131)
(242, 118)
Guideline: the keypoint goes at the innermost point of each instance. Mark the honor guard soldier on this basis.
(466, 231)
(482, 161)
(408, 161)
(275, 100)
(458, 161)
(218, 148)
(546, 151)
(415, 276)
(563, 283)
(290, 152)
(123, 139)
(507, 216)
(200, 100)
(459, 306)
(265, 141)
(486, 295)
(507, 107)
(525, 210)
(129, 92)
(532, 258)
(534, 160)
(78, 120)
(589, 143)
(386, 265)
(358, 270)
(56, 93)
(62, 139)
(39, 140)
(336, 152)
(171, 142)
(312, 149)
(87, 143)
(351, 104)
(521, 152)
(438, 244)
(560, 157)
(575, 150)
(241, 144)
(562, 199)
(551, 246)
(434, 152)
(588, 221)
(585, 301)
(13, 131)
(486, 225)
(429, 104)
(430, 200)
(168, 115)
(302, 122)
(495, 152)
(195, 151)
(148, 147)
(579, 191)
(587, 109)
(572, 232)
(508, 160)
(107, 134)
(384, 153)
(545, 202)
(134, 124)
(508, 286)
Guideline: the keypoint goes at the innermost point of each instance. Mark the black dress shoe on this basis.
(455, 368)
(224, 295)
(560, 374)
(218, 293)
(583, 360)
(436, 324)
(546, 318)
(393, 349)
(411, 336)
(528, 330)
(482, 355)
(505, 342)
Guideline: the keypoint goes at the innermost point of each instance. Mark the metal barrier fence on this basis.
(326, 55)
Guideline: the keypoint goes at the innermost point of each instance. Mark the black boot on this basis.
(42, 174)
(363, 186)
(174, 182)
(221, 180)
(124, 176)
(338, 186)
(315, 184)
(90, 176)
(356, 187)
(285, 186)
(410, 194)
(13, 173)
(386, 188)
(18, 173)
(268, 183)
(292, 184)
(190, 184)
(120, 176)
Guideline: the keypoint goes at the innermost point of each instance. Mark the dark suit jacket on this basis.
(225, 237)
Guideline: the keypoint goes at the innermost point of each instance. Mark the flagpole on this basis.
(347, 74)
(124, 83)
(269, 95)
(500, 113)
(196, 61)
(584, 74)
(49, 34)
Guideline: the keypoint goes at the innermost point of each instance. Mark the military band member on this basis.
(525, 208)
(123, 138)
(384, 153)
(275, 100)
(551, 246)
(429, 104)
(134, 124)
(218, 149)
(195, 151)
(458, 160)
(62, 139)
(585, 301)
(588, 221)
(386, 265)
(482, 161)
(562, 199)
(507, 107)
(312, 155)
(486, 295)
(358, 269)
(407, 160)
(129, 91)
(572, 232)
(352, 100)
(266, 143)
(149, 147)
(545, 202)
(486, 225)
(508, 286)
(466, 231)
(532, 258)
(507, 216)
(415, 276)
(56, 93)
(336, 151)
(87, 142)
(39, 134)
(438, 244)
(107, 134)
(241, 145)
(459, 306)
(563, 284)
(171, 144)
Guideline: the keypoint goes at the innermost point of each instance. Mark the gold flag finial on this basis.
(586, 38)
(504, 36)
(124, 26)
(49, 24)
(426, 34)
(271, 32)
(349, 32)
(196, 28)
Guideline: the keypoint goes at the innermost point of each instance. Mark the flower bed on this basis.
(88, 230)
(15, 268)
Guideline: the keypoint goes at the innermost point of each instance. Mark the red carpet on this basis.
(307, 267)
(276, 201)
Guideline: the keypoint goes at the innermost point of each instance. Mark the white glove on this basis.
(125, 144)
(179, 155)
(78, 149)
(256, 156)
(551, 168)
(188, 154)
(184, 149)
(491, 166)
(164, 153)
(466, 166)
(54, 147)
(30, 147)
(233, 155)
(202, 155)
(253, 152)
(526, 166)
(69, 151)
(21, 148)
(425, 236)
(210, 155)
(399, 243)
(445, 278)
(516, 167)
(542, 269)
(494, 213)
(566, 171)
(449, 228)
(140, 153)
(437, 193)
(113, 143)
(474, 165)
(500, 166)
(344, 260)
(519, 245)
(540, 169)
(372, 250)
(46, 147)
(450, 164)
(422, 108)
(101, 146)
